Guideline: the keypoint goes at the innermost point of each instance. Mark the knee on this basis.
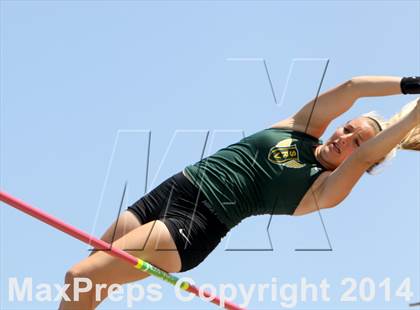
(79, 284)
(77, 276)
(79, 293)
(69, 277)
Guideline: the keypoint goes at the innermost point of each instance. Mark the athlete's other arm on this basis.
(336, 101)
(339, 183)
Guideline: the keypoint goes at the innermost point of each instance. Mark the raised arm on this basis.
(317, 114)
(339, 183)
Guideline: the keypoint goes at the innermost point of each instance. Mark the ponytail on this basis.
(412, 140)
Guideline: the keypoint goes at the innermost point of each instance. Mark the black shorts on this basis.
(184, 209)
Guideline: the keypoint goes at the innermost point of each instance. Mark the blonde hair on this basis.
(410, 142)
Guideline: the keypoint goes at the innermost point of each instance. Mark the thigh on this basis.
(125, 223)
(151, 242)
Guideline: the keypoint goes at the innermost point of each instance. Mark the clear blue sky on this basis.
(83, 82)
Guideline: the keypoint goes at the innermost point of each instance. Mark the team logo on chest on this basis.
(285, 154)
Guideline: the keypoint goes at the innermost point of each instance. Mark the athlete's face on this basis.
(345, 140)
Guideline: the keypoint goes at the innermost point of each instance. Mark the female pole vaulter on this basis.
(283, 169)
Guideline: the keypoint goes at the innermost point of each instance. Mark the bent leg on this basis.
(151, 242)
(125, 223)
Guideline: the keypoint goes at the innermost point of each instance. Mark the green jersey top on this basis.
(267, 172)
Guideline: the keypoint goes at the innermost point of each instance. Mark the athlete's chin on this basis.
(332, 160)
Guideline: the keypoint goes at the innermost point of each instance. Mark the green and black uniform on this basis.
(267, 172)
